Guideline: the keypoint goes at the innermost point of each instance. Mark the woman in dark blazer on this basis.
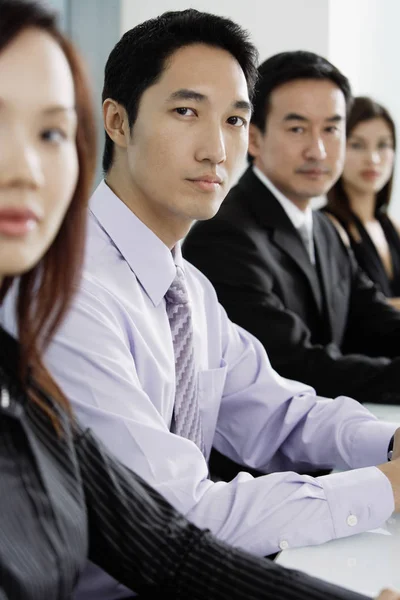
(360, 198)
(63, 498)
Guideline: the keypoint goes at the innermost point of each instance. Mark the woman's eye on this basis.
(237, 121)
(54, 136)
(185, 112)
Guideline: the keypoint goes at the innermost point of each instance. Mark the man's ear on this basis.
(254, 140)
(116, 122)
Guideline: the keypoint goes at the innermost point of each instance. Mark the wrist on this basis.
(392, 471)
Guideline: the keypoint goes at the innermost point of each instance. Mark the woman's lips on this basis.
(17, 222)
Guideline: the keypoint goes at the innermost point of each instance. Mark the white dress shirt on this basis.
(114, 359)
(299, 218)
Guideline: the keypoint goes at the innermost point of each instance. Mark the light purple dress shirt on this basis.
(114, 359)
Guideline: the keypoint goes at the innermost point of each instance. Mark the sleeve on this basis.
(139, 539)
(246, 287)
(92, 360)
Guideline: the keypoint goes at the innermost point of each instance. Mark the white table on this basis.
(366, 562)
(385, 412)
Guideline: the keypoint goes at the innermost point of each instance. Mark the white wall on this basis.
(275, 25)
(364, 44)
(61, 7)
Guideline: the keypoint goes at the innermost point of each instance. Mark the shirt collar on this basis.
(149, 258)
(297, 217)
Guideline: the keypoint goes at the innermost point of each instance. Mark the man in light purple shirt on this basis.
(176, 107)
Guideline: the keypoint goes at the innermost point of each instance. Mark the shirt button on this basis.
(352, 520)
(284, 545)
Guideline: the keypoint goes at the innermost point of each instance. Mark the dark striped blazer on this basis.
(63, 499)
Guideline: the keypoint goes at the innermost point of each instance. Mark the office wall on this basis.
(364, 44)
(94, 26)
(274, 25)
(61, 7)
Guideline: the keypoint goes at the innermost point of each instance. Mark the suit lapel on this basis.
(289, 242)
(268, 211)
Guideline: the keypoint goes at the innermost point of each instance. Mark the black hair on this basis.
(139, 58)
(289, 66)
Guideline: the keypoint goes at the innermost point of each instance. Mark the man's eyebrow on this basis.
(294, 117)
(188, 94)
(297, 117)
(335, 119)
(243, 105)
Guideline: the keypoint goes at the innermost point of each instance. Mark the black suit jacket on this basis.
(368, 257)
(328, 326)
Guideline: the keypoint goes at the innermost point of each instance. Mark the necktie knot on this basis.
(177, 293)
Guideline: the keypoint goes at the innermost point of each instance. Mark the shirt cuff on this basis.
(358, 500)
(371, 442)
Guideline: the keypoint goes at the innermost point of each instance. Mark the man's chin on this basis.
(207, 212)
(313, 192)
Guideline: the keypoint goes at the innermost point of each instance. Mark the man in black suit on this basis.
(282, 271)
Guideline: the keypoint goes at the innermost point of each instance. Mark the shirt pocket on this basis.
(210, 390)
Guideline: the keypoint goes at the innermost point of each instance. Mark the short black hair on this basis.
(138, 59)
(289, 66)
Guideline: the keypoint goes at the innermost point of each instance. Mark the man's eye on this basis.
(297, 129)
(185, 112)
(237, 121)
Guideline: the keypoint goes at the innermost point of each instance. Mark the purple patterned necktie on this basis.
(186, 417)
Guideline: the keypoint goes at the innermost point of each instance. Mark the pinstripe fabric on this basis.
(63, 499)
(186, 417)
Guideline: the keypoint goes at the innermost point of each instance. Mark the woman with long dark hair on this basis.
(63, 499)
(361, 197)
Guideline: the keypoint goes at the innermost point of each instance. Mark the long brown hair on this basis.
(363, 109)
(45, 292)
